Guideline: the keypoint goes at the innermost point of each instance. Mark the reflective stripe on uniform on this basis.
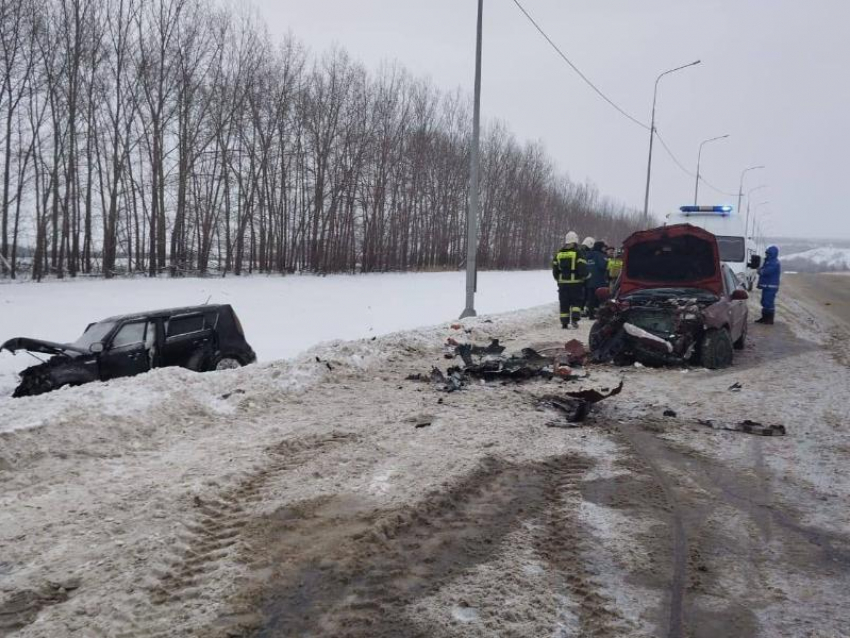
(568, 262)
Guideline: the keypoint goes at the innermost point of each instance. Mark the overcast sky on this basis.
(774, 75)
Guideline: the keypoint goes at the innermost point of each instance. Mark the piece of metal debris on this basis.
(576, 405)
(747, 426)
(670, 413)
(735, 387)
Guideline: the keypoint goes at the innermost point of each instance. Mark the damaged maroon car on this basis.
(675, 303)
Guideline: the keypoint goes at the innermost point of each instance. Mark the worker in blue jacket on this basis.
(597, 276)
(769, 276)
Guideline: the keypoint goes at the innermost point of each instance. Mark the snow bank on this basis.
(282, 316)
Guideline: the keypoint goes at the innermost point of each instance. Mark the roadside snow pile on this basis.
(169, 399)
(825, 259)
(282, 316)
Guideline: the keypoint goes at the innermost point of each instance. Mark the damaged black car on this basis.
(200, 338)
(674, 303)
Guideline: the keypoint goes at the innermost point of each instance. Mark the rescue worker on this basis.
(769, 276)
(569, 268)
(597, 271)
(615, 264)
(586, 247)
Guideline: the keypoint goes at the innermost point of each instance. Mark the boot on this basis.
(769, 317)
(763, 317)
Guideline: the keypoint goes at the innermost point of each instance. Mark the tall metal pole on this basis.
(741, 187)
(755, 214)
(699, 158)
(652, 136)
(474, 166)
(749, 195)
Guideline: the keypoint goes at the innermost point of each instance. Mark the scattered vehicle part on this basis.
(200, 338)
(674, 303)
(576, 353)
(747, 426)
(576, 405)
(670, 413)
(735, 387)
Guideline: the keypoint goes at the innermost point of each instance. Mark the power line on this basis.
(685, 170)
(575, 68)
(599, 92)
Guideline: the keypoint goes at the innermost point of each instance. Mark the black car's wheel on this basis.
(717, 349)
(741, 343)
(222, 362)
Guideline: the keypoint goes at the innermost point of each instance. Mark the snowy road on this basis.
(300, 499)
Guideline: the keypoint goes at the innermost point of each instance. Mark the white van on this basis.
(736, 249)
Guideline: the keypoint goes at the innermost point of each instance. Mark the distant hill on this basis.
(823, 259)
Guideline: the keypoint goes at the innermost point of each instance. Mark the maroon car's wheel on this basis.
(741, 343)
(717, 349)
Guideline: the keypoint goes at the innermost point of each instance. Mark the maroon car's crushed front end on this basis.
(669, 296)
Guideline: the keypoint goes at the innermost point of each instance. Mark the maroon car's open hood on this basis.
(678, 256)
(37, 345)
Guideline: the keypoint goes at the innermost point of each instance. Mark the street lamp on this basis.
(474, 165)
(652, 135)
(699, 157)
(741, 187)
(749, 200)
(755, 213)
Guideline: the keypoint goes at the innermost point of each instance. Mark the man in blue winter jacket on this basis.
(769, 275)
(597, 276)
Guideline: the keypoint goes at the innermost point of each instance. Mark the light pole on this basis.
(749, 200)
(755, 213)
(741, 187)
(474, 165)
(699, 157)
(652, 135)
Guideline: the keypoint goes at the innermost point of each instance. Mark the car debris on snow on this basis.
(576, 405)
(747, 426)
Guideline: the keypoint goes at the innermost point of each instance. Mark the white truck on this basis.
(737, 251)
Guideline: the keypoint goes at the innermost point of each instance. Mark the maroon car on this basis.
(674, 303)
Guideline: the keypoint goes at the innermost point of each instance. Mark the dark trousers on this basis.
(592, 302)
(571, 297)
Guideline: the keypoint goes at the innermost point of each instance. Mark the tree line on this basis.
(176, 137)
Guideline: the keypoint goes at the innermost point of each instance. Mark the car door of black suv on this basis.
(127, 353)
(187, 340)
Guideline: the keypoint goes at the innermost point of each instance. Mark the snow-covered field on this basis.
(282, 316)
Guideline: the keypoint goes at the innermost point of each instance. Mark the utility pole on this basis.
(741, 187)
(474, 167)
(652, 136)
(699, 158)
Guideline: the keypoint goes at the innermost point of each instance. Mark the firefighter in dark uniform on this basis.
(569, 268)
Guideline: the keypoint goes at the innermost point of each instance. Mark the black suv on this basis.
(199, 338)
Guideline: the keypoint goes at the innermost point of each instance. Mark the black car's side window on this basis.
(130, 334)
(185, 325)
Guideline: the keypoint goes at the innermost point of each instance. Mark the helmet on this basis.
(571, 238)
(588, 242)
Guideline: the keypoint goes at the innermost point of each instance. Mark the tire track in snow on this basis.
(213, 538)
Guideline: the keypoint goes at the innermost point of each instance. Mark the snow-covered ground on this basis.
(282, 316)
(826, 258)
(302, 497)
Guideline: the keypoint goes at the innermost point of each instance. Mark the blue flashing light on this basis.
(717, 210)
